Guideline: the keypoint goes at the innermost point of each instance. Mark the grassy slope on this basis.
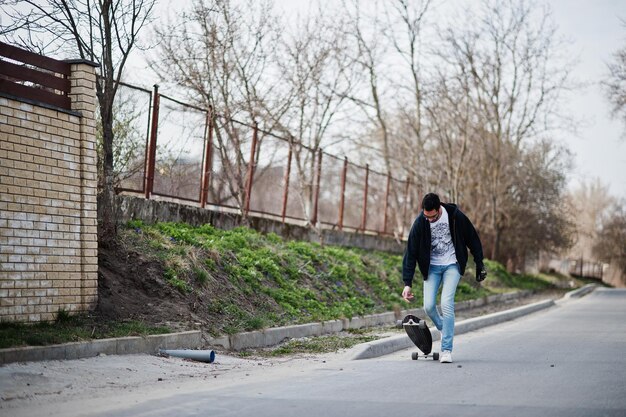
(68, 328)
(252, 281)
(240, 280)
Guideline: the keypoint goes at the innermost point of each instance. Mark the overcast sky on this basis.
(597, 32)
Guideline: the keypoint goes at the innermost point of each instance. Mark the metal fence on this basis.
(206, 159)
(586, 269)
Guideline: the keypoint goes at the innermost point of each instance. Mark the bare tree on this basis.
(451, 133)
(611, 243)
(404, 24)
(369, 51)
(616, 83)
(128, 141)
(219, 53)
(591, 201)
(518, 72)
(105, 32)
(317, 77)
(387, 50)
(536, 204)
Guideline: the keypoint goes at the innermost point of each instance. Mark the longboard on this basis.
(418, 332)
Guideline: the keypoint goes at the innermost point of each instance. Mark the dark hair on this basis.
(431, 202)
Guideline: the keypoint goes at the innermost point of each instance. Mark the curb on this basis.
(114, 346)
(580, 292)
(275, 335)
(394, 343)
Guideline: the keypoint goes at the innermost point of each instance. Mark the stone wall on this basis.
(152, 211)
(48, 186)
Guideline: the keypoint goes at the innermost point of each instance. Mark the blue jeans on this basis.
(450, 276)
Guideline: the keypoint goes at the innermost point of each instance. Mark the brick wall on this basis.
(48, 229)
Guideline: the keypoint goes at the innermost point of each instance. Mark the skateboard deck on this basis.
(418, 332)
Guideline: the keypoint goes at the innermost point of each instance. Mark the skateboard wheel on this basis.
(414, 356)
(436, 356)
(422, 324)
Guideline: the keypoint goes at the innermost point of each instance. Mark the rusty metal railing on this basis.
(263, 176)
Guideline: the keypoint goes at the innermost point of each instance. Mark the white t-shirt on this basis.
(442, 248)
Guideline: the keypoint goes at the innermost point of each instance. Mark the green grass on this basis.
(314, 345)
(299, 281)
(500, 278)
(240, 280)
(70, 329)
(266, 281)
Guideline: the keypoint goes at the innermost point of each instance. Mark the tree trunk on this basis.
(494, 225)
(106, 199)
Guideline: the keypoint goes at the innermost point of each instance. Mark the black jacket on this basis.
(463, 233)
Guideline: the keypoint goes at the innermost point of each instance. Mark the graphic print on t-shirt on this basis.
(441, 239)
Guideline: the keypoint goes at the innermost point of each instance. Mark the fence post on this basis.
(149, 179)
(208, 159)
(317, 187)
(255, 133)
(342, 201)
(364, 216)
(406, 203)
(582, 263)
(386, 203)
(286, 181)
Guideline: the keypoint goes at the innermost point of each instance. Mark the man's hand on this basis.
(407, 294)
(481, 274)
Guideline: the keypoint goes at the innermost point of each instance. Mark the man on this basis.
(438, 243)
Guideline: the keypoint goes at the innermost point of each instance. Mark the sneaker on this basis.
(445, 357)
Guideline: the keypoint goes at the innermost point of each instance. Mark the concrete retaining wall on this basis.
(152, 211)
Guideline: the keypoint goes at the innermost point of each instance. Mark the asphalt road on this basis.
(569, 360)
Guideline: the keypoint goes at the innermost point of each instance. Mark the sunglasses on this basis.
(433, 217)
